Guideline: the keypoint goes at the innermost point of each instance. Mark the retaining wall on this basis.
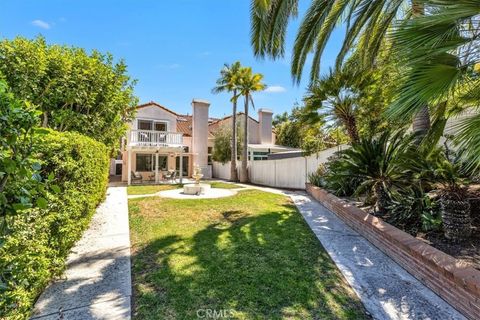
(451, 279)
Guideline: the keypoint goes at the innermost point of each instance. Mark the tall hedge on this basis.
(36, 249)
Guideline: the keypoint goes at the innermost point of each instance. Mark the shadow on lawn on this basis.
(263, 267)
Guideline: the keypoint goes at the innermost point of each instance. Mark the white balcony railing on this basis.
(147, 138)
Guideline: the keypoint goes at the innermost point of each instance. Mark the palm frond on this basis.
(432, 47)
(269, 21)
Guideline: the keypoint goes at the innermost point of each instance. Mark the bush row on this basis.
(414, 187)
(35, 249)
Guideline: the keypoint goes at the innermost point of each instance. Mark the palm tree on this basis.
(367, 23)
(227, 82)
(336, 100)
(248, 82)
(441, 55)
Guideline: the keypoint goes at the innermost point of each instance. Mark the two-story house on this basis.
(160, 140)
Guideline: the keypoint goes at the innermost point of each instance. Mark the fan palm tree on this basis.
(336, 101)
(367, 23)
(441, 54)
(227, 82)
(248, 82)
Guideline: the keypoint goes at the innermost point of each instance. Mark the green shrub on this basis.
(317, 178)
(222, 148)
(19, 180)
(35, 251)
(335, 180)
(370, 167)
(412, 210)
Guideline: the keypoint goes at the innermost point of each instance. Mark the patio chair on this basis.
(170, 175)
(151, 177)
(136, 177)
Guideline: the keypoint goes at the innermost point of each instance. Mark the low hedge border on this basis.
(36, 249)
(454, 281)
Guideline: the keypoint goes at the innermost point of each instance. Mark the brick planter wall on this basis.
(451, 279)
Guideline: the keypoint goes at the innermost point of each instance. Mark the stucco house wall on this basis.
(158, 114)
(198, 135)
(253, 127)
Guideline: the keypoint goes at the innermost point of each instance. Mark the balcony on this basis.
(150, 138)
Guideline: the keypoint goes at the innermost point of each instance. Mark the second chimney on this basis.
(265, 126)
(200, 132)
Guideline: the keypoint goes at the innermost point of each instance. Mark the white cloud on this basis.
(275, 89)
(41, 24)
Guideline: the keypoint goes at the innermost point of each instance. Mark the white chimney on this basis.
(265, 126)
(200, 132)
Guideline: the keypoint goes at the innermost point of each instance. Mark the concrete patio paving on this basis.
(97, 282)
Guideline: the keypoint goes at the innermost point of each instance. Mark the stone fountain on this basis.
(196, 188)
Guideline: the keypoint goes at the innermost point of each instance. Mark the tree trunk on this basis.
(421, 123)
(418, 9)
(421, 120)
(45, 119)
(233, 163)
(456, 219)
(352, 130)
(244, 173)
(382, 199)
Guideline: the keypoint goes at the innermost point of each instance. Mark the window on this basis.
(260, 155)
(209, 159)
(144, 162)
(184, 165)
(145, 125)
(152, 125)
(162, 163)
(160, 126)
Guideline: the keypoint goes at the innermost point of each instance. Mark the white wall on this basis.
(253, 127)
(283, 173)
(221, 171)
(153, 112)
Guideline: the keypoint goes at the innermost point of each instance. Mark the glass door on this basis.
(184, 164)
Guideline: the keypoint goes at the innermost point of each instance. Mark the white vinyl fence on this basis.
(221, 170)
(282, 173)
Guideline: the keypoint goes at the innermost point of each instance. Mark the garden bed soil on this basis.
(467, 251)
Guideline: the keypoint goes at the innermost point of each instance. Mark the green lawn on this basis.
(224, 185)
(251, 254)
(148, 189)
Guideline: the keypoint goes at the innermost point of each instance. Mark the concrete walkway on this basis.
(386, 289)
(97, 282)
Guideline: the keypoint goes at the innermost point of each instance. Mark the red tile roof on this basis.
(184, 121)
(184, 125)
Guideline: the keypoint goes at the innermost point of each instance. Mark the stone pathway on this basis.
(97, 282)
(386, 289)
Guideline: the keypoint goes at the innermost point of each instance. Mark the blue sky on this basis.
(174, 49)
